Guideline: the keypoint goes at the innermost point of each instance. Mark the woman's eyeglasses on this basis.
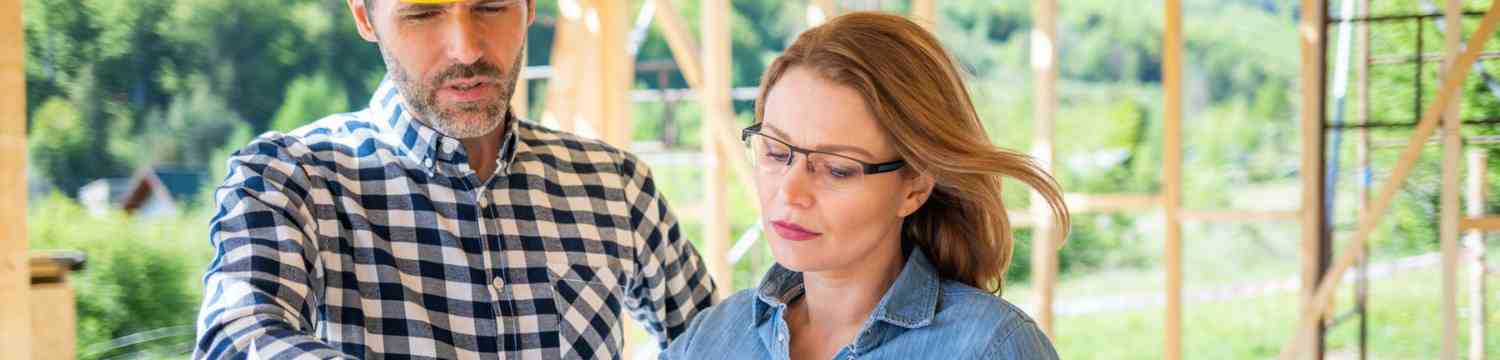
(772, 156)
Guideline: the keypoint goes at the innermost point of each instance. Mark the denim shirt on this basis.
(920, 316)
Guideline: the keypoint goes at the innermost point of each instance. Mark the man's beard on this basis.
(421, 96)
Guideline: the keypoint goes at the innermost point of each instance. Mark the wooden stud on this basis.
(520, 101)
(1474, 241)
(1312, 33)
(715, 100)
(567, 54)
(925, 12)
(686, 53)
(617, 72)
(1045, 236)
(1448, 213)
(1458, 69)
(15, 278)
(1172, 176)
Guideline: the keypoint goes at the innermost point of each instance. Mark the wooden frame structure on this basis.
(591, 42)
(15, 272)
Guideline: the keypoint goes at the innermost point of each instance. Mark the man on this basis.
(435, 223)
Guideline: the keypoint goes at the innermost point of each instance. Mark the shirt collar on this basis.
(911, 301)
(389, 112)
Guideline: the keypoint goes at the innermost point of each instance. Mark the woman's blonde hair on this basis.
(915, 92)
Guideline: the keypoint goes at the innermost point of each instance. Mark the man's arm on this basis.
(671, 284)
(256, 302)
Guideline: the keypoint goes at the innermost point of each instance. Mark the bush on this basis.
(140, 275)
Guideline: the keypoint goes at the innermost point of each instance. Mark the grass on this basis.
(1403, 321)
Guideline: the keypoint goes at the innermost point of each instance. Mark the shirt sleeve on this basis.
(256, 290)
(671, 285)
(1022, 341)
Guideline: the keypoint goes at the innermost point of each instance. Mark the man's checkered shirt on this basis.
(368, 235)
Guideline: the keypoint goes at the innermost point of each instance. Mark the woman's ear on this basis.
(918, 189)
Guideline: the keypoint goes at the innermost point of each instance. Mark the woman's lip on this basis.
(792, 231)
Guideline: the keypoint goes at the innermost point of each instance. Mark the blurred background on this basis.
(133, 105)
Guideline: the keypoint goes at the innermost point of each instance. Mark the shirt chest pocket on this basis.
(589, 311)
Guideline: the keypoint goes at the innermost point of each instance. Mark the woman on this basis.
(882, 194)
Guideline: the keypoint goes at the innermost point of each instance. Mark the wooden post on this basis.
(1362, 112)
(716, 84)
(567, 55)
(1449, 212)
(1475, 242)
(1312, 31)
(686, 53)
(1451, 84)
(15, 273)
(617, 70)
(925, 13)
(54, 318)
(1172, 176)
(520, 101)
(1044, 234)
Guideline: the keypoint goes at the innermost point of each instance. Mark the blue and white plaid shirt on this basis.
(368, 235)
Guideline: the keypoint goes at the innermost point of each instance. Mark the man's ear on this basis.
(918, 190)
(362, 20)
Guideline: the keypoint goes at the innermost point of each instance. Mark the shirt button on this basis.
(498, 282)
(781, 336)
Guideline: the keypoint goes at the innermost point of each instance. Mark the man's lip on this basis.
(467, 83)
(791, 231)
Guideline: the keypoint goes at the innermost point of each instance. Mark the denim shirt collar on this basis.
(422, 143)
(910, 303)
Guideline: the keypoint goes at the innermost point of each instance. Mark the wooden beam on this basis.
(1474, 241)
(567, 57)
(1457, 70)
(520, 101)
(686, 53)
(925, 12)
(1480, 223)
(1172, 177)
(15, 278)
(1045, 236)
(617, 71)
(1238, 216)
(1312, 32)
(1086, 203)
(1448, 199)
(715, 100)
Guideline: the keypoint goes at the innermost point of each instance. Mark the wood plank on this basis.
(925, 12)
(1480, 223)
(1172, 177)
(1448, 198)
(520, 101)
(1312, 32)
(715, 100)
(1238, 216)
(1474, 241)
(685, 51)
(1087, 203)
(567, 53)
(53, 321)
(1045, 236)
(1450, 86)
(15, 278)
(617, 72)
